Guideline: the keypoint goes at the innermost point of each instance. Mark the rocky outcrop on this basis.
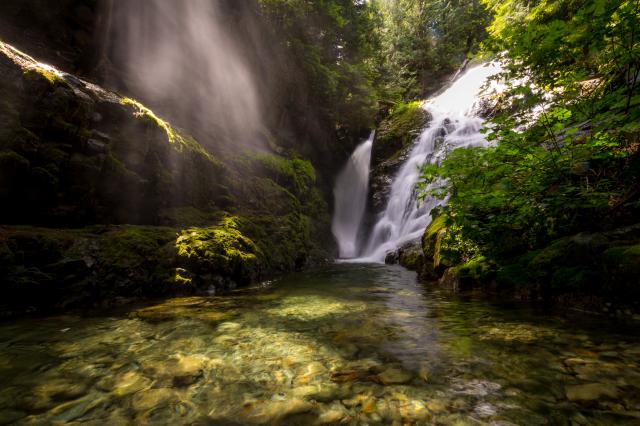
(598, 272)
(140, 207)
(393, 142)
(73, 153)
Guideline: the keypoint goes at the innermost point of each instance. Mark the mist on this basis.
(184, 57)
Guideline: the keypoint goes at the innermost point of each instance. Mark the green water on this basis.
(347, 344)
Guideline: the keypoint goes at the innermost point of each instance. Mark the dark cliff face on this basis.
(61, 33)
(142, 207)
(77, 36)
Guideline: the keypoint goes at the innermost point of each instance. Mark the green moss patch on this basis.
(220, 249)
(175, 137)
(398, 130)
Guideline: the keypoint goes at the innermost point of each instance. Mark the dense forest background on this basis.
(564, 159)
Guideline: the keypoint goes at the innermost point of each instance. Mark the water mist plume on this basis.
(182, 55)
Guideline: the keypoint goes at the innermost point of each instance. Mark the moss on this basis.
(286, 241)
(39, 73)
(478, 270)
(13, 160)
(220, 249)
(411, 258)
(179, 141)
(188, 216)
(398, 130)
(295, 174)
(436, 225)
(573, 279)
(136, 260)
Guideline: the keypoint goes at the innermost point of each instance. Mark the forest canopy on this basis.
(565, 147)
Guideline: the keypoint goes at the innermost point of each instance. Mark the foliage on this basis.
(565, 157)
(423, 41)
(332, 43)
(295, 174)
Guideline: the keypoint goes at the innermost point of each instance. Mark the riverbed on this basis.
(343, 344)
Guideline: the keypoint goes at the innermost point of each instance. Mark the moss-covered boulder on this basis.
(393, 141)
(43, 269)
(220, 250)
(586, 269)
(438, 254)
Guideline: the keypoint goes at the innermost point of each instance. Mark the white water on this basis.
(453, 125)
(350, 196)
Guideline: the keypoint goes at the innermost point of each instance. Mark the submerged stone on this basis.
(591, 392)
(394, 376)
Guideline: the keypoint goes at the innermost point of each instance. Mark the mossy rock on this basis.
(437, 255)
(478, 270)
(408, 255)
(398, 130)
(432, 235)
(393, 142)
(135, 260)
(220, 250)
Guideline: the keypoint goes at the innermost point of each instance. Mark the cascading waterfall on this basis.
(350, 195)
(453, 125)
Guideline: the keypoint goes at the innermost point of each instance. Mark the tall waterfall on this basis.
(350, 194)
(453, 125)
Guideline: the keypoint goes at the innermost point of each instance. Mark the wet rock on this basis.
(151, 398)
(436, 406)
(46, 394)
(336, 413)
(394, 376)
(188, 370)
(305, 391)
(423, 372)
(591, 392)
(8, 416)
(346, 376)
(413, 410)
(128, 383)
(485, 410)
(369, 405)
(356, 400)
(96, 147)
(330, 392)
(73, 410)
(310, 373)
(476, 387)
(271, 411)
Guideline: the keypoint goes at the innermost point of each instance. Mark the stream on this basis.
(342, 344)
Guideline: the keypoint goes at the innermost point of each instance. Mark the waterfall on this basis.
(453, 125)
(350, 194)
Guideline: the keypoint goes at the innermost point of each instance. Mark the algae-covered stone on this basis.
(591, 392)
(394, 376)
